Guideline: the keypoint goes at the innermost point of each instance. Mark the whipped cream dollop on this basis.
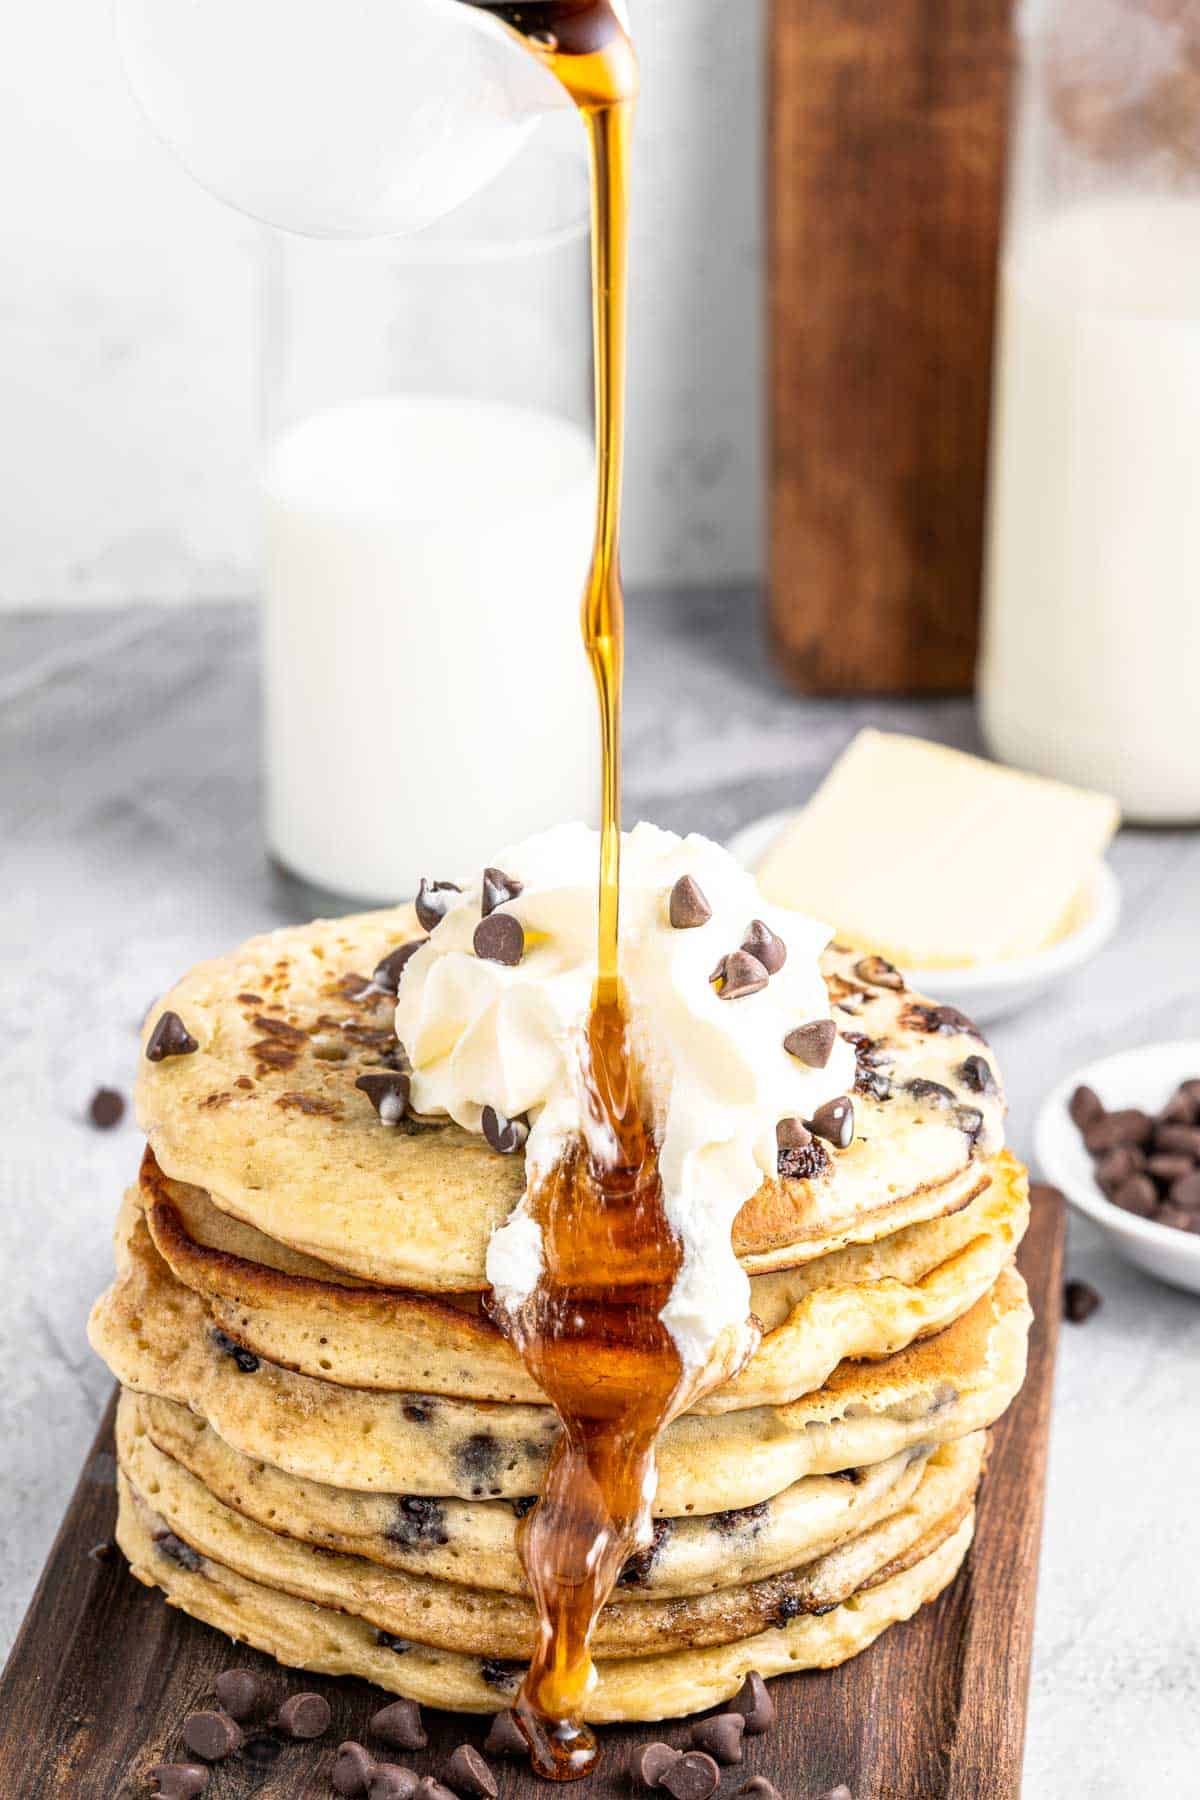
(716, 1077)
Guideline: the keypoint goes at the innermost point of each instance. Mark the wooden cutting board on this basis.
(103, 1672)
(888, 127)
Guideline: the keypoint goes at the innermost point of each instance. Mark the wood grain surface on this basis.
(103, 1673)
(887, 135)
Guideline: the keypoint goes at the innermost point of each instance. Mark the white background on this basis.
(128, 315)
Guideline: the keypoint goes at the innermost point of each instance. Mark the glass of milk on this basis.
(429, 489)
(1092, 609)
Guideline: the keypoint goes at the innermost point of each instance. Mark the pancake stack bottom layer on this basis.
(325, 1448)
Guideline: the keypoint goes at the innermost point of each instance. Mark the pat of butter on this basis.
(937, 859)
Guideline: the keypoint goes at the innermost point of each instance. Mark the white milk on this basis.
(427, 694)
(1091, 659)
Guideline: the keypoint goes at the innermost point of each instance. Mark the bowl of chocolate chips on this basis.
(1121, 1138)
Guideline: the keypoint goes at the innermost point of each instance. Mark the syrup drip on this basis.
(590, 1334)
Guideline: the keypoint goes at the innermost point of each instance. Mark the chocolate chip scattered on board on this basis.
(304, 1716)
(391, 1781)
(720, 1736)
(178, 1781)
(399, 1724)
(754, 1702)
(468, 1773)
(211, 1734)
(505, 1737)
(243, 1693)
(106, 1108)
(649, 1764)
(352, 1769)
(694, 1776)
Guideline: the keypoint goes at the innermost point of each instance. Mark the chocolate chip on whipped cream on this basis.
(500, 938)
(434, 900)
(687, 907)
(504, 1134)
(497, 890)
(834, 1122)
(387, 973)
(739, 974)
(388, 1093)
(812, 1043)
(792, 1134)
(170, 1037)
(761, 942)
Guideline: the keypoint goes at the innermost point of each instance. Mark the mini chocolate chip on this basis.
(429, 1789)
(387, 1640)
(1129, 1126)
(1085, 1107)
(878, 972)
(970, 1120)
(104, 1552)
(170, 1037)
(755, 1704)
(393, 1782)
(1116, 1166)
(500, 1672)
(243, 1694)
(1185, 1139)
(388, 1093)
(694, 1777)
(762, 943)
(834, 1122)
(168, 1545)
(1137, 1195)
(761, 1789)
(687, 906)
(792, 1134)
(1186, 1192)
(386, 974)
(504, 1134)
(812, 1044)
(107, 1108)
(467, 1773)
(505, 1737)
(648, 1765)
(975, 1073)
(212, 1735)
(178, 1781)
(352, 1769)
(305, 1716)
(500, 938)
(498, 889)
(932, 1091)
(1080, 1301)
(434, 900)
(400, 1725)
(245, 1359)
(740, 974)
(1170, 1166)
(721, 1736)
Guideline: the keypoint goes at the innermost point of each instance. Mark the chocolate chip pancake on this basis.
(863, 1301)
(265, 1116)
(156, 1336)
(474, 1542)
(485, 1622)
(307, 1636)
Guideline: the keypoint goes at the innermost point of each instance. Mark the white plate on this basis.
(985, 991)
(1146, 1077)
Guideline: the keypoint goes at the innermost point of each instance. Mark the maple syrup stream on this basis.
(590, 1334)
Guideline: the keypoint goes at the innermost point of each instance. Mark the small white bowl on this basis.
(985, 991)
(1146, 1077)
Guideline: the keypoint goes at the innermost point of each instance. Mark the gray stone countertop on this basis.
(131, 847)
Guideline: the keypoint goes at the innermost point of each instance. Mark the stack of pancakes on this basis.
(326, 1447)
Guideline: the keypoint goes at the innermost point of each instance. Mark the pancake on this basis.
(306, 1636)
(155, 1335)
(475, 1541)
(864, 1301)
(451, 1616)
(265, 1117)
